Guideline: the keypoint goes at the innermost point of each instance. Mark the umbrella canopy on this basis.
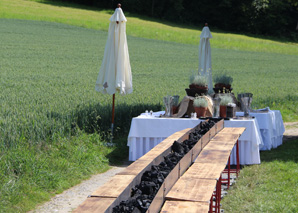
(115, 71)
(205, 56)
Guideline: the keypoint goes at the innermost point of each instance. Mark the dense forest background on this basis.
(278, 18)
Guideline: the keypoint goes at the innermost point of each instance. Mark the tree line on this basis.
(277, 18)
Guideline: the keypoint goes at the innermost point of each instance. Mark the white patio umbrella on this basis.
(115, 71)
(205, 56)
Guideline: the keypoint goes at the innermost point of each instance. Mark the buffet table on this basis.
(271, 127)
(146, 132)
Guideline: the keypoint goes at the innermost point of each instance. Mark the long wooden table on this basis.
(196, 187)
(118, 188)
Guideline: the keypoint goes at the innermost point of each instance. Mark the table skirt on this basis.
(142, 145)
(139, 146)
(271, 128)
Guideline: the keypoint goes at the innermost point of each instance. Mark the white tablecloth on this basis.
(271, 127)
(147, 132)
(250, 141)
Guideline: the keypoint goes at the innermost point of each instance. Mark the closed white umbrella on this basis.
(205, 56)
(115, 71)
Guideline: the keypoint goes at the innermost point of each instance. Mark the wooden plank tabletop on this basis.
(184, 207)
(165, 144)
(204, 171)
(199, 190)
(233, 130)
(136, 167)
(95, 204)
(115, 186)
(213, 156)
(164, 147)
(225, 142)
(226, 137)
(153, 154)
(181, 135)
(215, 145)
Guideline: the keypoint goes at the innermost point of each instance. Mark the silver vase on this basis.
(216, 103)
(168, 102)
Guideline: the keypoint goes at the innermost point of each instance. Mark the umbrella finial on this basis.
(118, 6)
(206, 24)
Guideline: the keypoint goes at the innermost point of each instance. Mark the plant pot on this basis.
(193, 91)
(175, 109)
(216, 90)
(192, 86)
(223, 111)
(204, 88)
(201, 111)
(219, 85)
(231, 112)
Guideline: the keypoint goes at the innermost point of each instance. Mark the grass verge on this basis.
(271, 186)
(32, 174)
(46, 10)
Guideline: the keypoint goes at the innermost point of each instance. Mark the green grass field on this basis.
(48, 103)
(143, 27)
(271, 186)
(48, 73)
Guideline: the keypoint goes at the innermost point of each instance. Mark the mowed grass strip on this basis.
(137, 26)
(271, 186)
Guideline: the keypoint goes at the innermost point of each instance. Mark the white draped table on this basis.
(147, 132)
(271, 127)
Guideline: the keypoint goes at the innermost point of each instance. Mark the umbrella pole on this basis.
(113, 116)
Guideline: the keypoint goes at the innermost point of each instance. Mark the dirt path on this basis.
(291, 131)
(73, 197)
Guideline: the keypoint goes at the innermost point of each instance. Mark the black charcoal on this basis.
(143, 194)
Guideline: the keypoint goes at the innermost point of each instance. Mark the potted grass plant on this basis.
(231, 110)
(225, 100)
(228, 82)
(221, 82)
(198, 81)
(198, 85)
(200, 104)
(175, 104)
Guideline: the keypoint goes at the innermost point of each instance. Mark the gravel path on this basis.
(73, 197)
